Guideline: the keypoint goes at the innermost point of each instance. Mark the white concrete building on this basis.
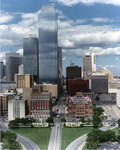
(118, 97)
(16, 108)
(21, 69)
(89, 64)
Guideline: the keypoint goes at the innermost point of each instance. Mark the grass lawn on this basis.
(69, 134)
(40, 136)
(84, 147)
(116, 130)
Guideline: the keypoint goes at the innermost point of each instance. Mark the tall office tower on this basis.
(60, 66)
(48, 43)
(89, 64)
(1, 70)
(12, 65)
(72, 72)
(30, 56)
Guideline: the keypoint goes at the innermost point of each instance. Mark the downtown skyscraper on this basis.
(30, 56)
(12, 65)
(48, 45)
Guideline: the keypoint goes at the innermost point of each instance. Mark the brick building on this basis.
(72, 72)
(79, 106)
(77, 85)
(41, 105)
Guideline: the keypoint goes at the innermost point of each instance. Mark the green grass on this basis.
(84, 147)
(40, 136)
(69, 134)
(116, 130)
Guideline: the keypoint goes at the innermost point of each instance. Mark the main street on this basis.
(56, 133)
(26, 143)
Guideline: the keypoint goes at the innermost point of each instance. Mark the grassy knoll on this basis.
(69, 134)
(116, 130)
(40, 136)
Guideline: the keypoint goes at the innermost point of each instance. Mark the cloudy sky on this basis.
(83, 26)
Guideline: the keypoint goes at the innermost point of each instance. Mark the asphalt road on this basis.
(27, 144)
(55, 138)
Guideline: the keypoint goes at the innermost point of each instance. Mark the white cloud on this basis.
(20, 51)
(6, 17)
(117, 59)
(73, 37)
(102, 20)
(88, 2)
(64, 58)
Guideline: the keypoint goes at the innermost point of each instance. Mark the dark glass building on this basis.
(48, 43)
(12, 65)
(30, 56)
(1, 70)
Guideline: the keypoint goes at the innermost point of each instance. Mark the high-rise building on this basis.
(60, 67)
(72, 72)
(1, 70)
(89, 64)
(30, 55)
(12, 65)
(99, 84)
(48, 45)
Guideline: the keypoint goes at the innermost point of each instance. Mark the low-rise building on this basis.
(77, 85)
(41, 105)
(79, 106)
(16, 108)
(109, 98)
(52, 88)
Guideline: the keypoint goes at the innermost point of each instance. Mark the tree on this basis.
(9, 140)
(119, 122)
(82, 120)
(98, 110)
(63, 120)
(49, 120)
(96, 120)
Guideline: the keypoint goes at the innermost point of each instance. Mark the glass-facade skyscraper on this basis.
(48, 43)
(30, 55)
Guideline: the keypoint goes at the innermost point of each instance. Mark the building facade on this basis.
(12, 65)
(79, 106)
(72, 72)
(16, 108)
(1, 70)
(118, 97)
(77, 85)
(99, 84)
(89, 64)
(52, 88)
(40, 105)
(24, 81)
(30, 56)
(48, 45)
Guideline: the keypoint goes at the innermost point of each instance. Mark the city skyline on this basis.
(82, 28)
